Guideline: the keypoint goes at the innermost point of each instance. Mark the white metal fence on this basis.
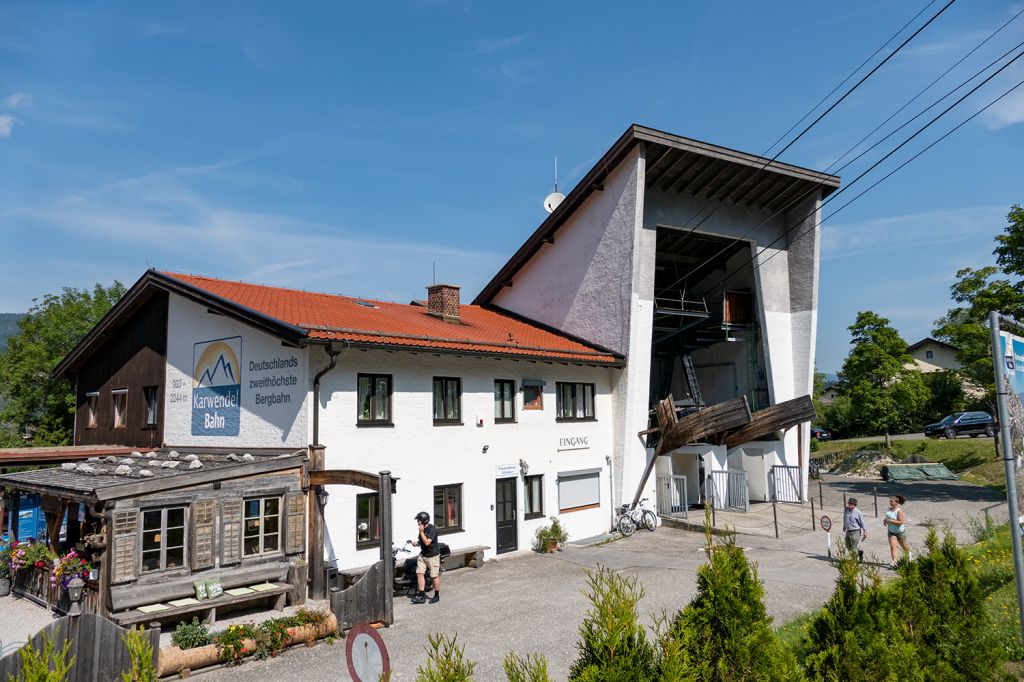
(785, 484)
(728, 490)
(672, 500)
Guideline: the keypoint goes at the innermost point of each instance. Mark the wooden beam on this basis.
(345, 477)
(317, 576)
(698, 426)
(781, 416)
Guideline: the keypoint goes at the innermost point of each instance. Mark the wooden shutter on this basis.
(126, 539)
(204, 525)
(230, 532)
(295, 533)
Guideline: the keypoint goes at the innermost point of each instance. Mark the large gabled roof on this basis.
(683, 165)
(304, 317)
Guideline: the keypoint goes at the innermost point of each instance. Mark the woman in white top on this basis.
(894, 523)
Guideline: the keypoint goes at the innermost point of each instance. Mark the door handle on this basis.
(513, 514)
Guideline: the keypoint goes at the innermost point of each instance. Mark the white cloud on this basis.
(162, 218)
(1006, 112)
(7, 124)
(17, 99)
(482, 47)
(911, 231)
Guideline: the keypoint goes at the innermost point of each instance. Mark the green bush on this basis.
(531, 668)
(857, 635)
(140, 653)
(191, 635)
(613, 645)
(724, 634)
(942, 607)
(445, 661)
(47, 665)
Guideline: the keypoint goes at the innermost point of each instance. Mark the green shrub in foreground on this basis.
(613, 645)
(724, 634)
(445, 661)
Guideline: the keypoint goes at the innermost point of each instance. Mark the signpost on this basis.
(366, 654)
(1006, 439)
(826, 525)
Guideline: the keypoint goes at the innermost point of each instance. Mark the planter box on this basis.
(33, 583)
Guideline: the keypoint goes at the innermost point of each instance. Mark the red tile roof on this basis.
(370, 322)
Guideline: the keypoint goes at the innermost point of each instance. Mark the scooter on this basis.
(407, 581)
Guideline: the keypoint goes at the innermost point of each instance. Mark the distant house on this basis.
(932, 355)
(829, 395)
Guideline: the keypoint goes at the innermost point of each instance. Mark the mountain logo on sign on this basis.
(209, 377)
(217, 365)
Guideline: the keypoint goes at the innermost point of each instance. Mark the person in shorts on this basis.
(854, 527)
(895, 524)
(430, 557)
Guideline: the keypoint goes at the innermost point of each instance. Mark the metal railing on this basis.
(672, 501)
(728, 490)
(785, 483)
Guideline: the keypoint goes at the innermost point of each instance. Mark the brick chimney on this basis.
(443, 302)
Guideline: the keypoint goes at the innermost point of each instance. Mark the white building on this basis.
(671, 258)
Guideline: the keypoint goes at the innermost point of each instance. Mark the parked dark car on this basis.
(962, 423)
(820, 433)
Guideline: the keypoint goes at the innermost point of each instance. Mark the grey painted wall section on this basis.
(582, 283)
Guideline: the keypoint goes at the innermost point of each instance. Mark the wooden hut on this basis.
(156, 525)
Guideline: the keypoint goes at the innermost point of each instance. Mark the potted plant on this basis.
(548, 538)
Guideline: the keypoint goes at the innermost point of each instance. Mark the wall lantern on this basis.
(524, 468)
(75, 595)
(322, 495)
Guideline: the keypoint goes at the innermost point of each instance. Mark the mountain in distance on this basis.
(8, 326)
(209, 376)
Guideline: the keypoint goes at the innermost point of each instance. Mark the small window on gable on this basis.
(120, 401)
(929, 354)
(150, 394)
(92, 401)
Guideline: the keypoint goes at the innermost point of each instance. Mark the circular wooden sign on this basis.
(366, 654)
(826, 523)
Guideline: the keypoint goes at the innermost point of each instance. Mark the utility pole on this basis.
(1009, 458)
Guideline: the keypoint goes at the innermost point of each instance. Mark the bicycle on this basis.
(630, 519)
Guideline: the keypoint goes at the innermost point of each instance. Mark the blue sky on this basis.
(350, 148)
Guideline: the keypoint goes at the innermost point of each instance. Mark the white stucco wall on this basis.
(272, 384)
(422, 455)
(943, 358)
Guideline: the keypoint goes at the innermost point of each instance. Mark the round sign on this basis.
(826, 523)
(366, 654)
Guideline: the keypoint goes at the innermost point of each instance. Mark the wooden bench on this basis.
(207, 608)
(459, 558)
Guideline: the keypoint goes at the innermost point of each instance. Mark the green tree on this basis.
(725, 633)
(946, 395)
(33, 400)
(857, 634)
(885, 396)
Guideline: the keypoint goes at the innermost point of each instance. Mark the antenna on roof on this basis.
(552, 200)
(433, 272)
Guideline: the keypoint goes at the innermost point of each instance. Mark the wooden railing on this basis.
(33, 583)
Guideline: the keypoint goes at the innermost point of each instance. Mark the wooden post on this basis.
(317, 577)
(388, 574)
(874, 490)
(800, 460)
(3, 512)
(821, 496)
(775, 515)
(814, 525)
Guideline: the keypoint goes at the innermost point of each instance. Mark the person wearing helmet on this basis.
(430, 556)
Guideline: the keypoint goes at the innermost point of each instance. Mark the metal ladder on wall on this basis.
(752, 366)
(691, 379)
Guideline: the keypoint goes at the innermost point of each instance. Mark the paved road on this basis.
(533, 603)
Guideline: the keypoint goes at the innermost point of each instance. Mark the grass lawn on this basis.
(973, 459)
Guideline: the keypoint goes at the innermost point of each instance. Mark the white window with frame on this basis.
(119, 398)
(262, 523)
(579, 490)
(163, 539)
(575, 401)
(533, 496)
(92, 404)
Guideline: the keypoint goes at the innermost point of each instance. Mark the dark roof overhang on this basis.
(683, 165)
(152, 282)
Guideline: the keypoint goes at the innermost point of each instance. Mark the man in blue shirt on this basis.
(854, 527)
